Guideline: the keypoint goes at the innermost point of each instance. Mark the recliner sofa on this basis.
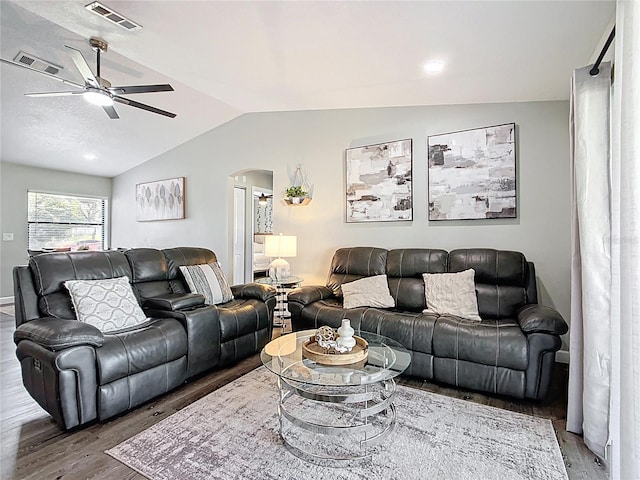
(79, 374)
(510, 352)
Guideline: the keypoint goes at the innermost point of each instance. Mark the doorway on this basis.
(252, 221)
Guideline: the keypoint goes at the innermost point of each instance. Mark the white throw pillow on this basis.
(452, 293)
(367, 292)
(208, 280)
(109, 304)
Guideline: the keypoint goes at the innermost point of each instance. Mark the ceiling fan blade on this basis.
(111, 112)
(83, 66)
(54, 94)
(149, 108)
(140, 89)
(66, 82)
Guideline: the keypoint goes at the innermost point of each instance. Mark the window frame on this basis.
(106, 230)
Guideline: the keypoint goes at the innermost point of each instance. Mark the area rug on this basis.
(232, 433)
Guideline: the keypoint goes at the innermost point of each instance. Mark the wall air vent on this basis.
(113, 16)
(37, 63)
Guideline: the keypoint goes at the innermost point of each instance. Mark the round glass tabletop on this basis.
(283, 281)
(386, 359)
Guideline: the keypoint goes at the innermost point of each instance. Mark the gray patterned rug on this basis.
(232, 433)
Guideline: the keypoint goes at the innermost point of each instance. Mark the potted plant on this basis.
(295, 194)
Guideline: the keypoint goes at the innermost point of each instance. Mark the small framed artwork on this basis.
(379, 183)
(472, 174)
(160, 200)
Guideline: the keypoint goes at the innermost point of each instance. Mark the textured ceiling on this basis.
(228, 58)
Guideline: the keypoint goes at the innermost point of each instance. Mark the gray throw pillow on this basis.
(109, 304)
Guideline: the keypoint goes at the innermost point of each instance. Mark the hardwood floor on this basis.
(33, 447)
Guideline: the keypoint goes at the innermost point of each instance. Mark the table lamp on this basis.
(280, 246)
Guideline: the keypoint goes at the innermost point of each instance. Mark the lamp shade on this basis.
(280, 246)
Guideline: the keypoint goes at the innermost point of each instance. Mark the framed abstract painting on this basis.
(160, 200)
(379, 182)
(472, 174)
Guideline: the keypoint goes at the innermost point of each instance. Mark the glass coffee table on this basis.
(330, 414)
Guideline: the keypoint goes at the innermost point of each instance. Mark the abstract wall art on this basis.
(161, 200)
(379, 183)
(472, 174)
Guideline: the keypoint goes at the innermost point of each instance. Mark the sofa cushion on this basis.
(367, 292)
(502, 279)
(109, 304)
(51, 270)
(452, 293)
(186, 256)
(413, 262)
(496, 267)
(208, 280)
(354, 263)
(498, 343)
(404, 274)
(413, 330)
(329, 312)
(150, 272)
(127, 353)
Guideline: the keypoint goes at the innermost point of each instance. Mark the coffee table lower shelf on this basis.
(330, 425)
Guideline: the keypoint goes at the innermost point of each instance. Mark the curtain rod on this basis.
(596, 70)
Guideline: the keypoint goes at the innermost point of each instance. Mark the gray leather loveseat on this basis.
(510, 352)
(79, 374)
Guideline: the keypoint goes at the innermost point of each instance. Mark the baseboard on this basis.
(6, 300)
(562, 356)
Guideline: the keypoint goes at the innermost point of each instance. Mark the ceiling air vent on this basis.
(113, 16)
(37, 63)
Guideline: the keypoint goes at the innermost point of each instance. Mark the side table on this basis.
(283, 286)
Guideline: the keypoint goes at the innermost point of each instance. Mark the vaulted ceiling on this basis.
(228, 58)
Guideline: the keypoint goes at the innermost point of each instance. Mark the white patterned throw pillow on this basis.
(109, 304)
(208, 280)
(452, 293)
(367, 292)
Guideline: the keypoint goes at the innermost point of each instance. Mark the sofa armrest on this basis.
(57, 334)
(64, 382)
(309, 294)
(202, 325)
(174, 301)
(536, 318)
(258, 291)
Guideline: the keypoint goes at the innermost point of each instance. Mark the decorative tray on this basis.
(312, 351)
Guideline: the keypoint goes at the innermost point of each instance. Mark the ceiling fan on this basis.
(97, 90)
(263, 199)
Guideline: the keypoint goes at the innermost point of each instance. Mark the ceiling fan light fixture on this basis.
(98, 97)
(434, 67)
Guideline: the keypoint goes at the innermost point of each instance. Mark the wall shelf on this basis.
(292, 203)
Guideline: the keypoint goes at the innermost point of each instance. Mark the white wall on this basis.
(16, 181)
(317, 140)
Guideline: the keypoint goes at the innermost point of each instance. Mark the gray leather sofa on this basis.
(78, 374)
(511, 352)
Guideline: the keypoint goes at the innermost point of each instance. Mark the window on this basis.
(65, 222)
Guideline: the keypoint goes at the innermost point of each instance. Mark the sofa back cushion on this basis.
(181, 256)
(350, 264)
(503, 279)
(404, 273)
(150, 272)
(51, 270)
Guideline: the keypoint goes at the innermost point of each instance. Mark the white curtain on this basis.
(604, 383)
(624, 426)
(590, 341)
